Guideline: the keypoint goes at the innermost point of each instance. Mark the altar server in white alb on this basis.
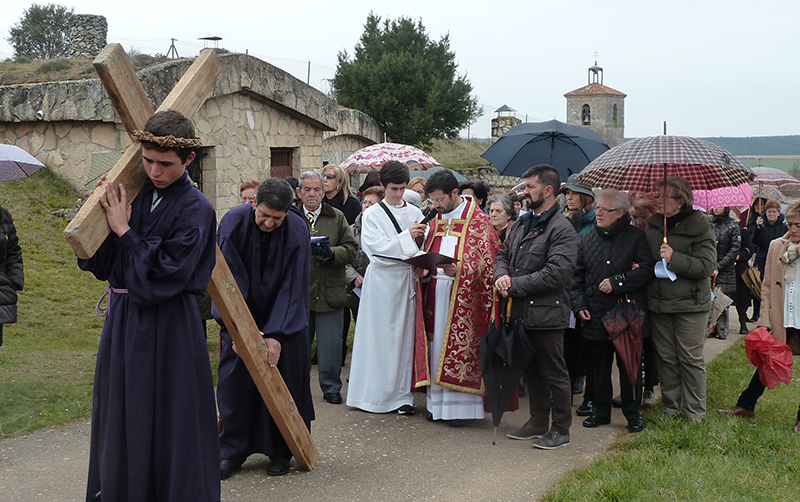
(383, 348)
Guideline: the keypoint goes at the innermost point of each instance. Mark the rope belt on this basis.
(103, 311)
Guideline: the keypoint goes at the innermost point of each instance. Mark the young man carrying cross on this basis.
(154, 431)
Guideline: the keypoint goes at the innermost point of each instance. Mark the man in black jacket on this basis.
(614, 264)
(535, 267)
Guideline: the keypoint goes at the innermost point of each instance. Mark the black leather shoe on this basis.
(743, 330)
(278, 466)
(636, 425)
(333, 397)
(595, 421)
(227, 467)
(585, 409)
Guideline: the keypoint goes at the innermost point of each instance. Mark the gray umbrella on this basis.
(16, 163)
(427, 173)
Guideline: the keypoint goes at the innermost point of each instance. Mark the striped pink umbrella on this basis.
(769, 176)
(372, 157)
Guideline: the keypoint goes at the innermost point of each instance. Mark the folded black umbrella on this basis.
(506, 351)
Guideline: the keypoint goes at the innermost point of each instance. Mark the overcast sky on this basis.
(708, 68)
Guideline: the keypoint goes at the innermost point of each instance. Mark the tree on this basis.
(406, 82)
(41, 33)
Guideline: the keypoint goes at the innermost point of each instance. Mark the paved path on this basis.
(362, 457)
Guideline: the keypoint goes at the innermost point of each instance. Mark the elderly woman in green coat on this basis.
(679, 308)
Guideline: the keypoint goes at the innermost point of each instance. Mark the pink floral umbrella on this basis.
(738, 196)
(372, 157)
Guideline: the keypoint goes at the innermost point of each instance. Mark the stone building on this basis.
(504, 121)
(258, 122)
(598, 107)
(86, 35)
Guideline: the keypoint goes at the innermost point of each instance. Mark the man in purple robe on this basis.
(268, 249)
(154, 434)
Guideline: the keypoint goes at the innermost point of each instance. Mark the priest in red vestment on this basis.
(458, 302)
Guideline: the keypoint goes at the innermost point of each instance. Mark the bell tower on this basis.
(598, 107)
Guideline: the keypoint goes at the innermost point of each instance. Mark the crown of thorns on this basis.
(167, 141)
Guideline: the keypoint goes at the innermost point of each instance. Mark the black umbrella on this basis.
(506, 351)
(569, 148)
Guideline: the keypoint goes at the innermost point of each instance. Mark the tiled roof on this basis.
(594, 89)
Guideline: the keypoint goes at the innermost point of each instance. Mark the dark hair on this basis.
(394, 172)
(292, 181)
(249, 184)
(169, 123)
(546, 174)
(377, 191)
(372, 179)
(478, 187)
(515, 198)
(275, 193)
(442, 180)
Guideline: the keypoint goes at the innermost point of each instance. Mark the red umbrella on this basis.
(769, 176)
(372, 157)
(772, 358)
(624, 325)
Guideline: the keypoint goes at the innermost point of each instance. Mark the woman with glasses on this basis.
(679, 307)
(337, 192)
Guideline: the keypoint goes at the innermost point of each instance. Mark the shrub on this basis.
(53, 66)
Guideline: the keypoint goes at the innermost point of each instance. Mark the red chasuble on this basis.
(471, 302)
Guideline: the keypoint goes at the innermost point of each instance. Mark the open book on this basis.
(422, 259)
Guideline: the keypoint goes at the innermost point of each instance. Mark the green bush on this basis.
(53, 66)
(23, 60)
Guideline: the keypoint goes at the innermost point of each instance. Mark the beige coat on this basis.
(772, 291)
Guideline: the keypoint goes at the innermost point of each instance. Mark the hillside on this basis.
(760, 145)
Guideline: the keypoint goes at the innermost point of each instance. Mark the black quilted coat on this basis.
(11, 275)
(729, 242)
(610, 253)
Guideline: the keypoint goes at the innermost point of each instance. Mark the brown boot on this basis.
(738, 411)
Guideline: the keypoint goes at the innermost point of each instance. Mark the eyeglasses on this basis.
(329, 176)
(439, 200)
(656, 196)
(602, 210)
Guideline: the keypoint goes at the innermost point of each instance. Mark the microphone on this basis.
(431, 215)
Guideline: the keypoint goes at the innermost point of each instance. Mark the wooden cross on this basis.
(87, 231)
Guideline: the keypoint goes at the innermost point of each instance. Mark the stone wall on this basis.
(86, 36)
(238, 133)
(501, 125)
(354, 131)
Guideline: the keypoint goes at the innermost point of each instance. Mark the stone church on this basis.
(598, 107)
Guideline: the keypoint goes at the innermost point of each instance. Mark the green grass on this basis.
(721, 459)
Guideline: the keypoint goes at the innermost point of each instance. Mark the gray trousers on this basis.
(328, 327)
(679, 340)
(548, 381)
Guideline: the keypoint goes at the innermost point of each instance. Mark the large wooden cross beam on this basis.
(89, 229)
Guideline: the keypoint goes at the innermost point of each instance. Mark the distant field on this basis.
(782, 162)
